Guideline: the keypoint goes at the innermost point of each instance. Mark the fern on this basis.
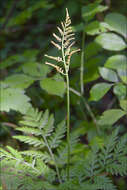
(49, 127)
(56, 138)
(104, 182)
(113, 154)
(10, 154)
(37, 154)
(41, 127)
(25, 178)
(62, 150)
(36, 142)
(98, 183)
(92, 171)
(32, 118)
(30, 130)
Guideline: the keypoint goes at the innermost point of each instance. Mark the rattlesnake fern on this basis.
(64, 43)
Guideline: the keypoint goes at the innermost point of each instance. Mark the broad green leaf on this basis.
(106, 26)
(99, 90)
(53, 86)
(92, 49)
(35, 69)
(123, 105)
(91, 68)
(75, 60)
(111, 116)
(94, 28)
(123, 74)
(19, 81)
(116, 62)
(117, 22)
(78, 28)
(11, 60)
(89, 11)
(108, 74)
(93, 75)
(111, 41)
(120, 90)
(27, 56)
(30, 55)
(14, 99)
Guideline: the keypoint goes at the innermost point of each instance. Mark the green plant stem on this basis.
(82, 84)
(87, 107)
(53, 158)
(82, 64)
(68, 126)
(68, 110)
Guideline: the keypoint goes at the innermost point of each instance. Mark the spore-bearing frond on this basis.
(64, 43)
(57, 37)
(59, 59)
(56, 45)
(68, 20)
(59, 69)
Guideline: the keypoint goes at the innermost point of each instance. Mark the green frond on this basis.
(48, 129)
(30, 130)
(108, 148)
(5, 154)
(15, 161)
(111, 140)
(57, 136)
(121, 145)
(10, 154)
(19, 177)
(104, 183)
(75, 185)
(91, 165)
(30, 140)
(14, 152)
(32, 118)
(117, 169)
(42, 123)
(45, 170)
(61, 157)
(37, 154)
(44, 119)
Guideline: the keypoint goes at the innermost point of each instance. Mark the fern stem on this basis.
(68, 126)
(87, 107)
(82, 65)
(91, 114)
(68, 109)
(53, 158)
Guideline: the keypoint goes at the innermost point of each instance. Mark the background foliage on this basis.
(26, 82)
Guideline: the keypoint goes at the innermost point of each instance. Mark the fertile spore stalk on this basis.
(64, 43)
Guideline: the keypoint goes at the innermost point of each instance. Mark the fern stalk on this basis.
(68, 107)
(65, 42)
(82, 64)
(68, 125)
(53, 158)
(82, 84)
